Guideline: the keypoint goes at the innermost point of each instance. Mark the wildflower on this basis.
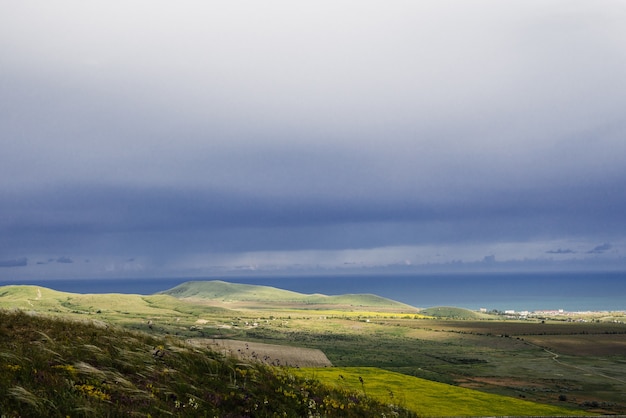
(93, 392)
(66, 367)
(193, 403)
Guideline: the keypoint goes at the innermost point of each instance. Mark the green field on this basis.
(575, 365)
(428, 398)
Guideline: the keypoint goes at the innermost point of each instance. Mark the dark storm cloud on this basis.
(177, 220)
(169, 130)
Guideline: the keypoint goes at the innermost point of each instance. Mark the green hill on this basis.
(451, 312)
(217, 289)
(189, 298)
(154, 313)
(41, 299)
(234, 292)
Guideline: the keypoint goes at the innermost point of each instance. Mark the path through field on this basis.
(555, 358)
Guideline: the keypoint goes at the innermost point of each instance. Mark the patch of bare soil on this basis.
(583, 345)
(277, 355)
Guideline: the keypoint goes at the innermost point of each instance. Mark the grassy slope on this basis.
(235, 292)
(156, 313)
(42, 299)
(430, 398)
(452, 312)
(216, 289)
(57, 368)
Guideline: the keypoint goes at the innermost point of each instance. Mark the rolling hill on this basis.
(216, 290)
(452, 313)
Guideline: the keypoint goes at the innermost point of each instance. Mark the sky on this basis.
(193, 138)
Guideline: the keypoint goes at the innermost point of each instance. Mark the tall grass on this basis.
(58, 368)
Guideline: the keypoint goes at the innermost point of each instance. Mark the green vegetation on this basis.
(563, 362)
(217, 289)
(452, 312)
(58, 368)
(234, 292)
(428, 398)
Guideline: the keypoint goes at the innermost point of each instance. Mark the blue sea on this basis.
(503, 291)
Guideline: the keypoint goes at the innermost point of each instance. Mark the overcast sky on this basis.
(158, 138)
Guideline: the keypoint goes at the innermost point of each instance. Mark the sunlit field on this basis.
(569, 365)
(425, 397)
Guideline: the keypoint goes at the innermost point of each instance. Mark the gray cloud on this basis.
(169, 221)
(220, 128)
(561, 251)
(600, 249)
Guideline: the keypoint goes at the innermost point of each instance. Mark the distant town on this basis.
(571, 316)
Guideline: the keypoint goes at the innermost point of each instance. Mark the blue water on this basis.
(502, 291)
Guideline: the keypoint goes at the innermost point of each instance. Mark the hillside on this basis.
(217, 289)
(58, 368)
(452, 313)
(106, 306)
(254, 295)
(195, 298)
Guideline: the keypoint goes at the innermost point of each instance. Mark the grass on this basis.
(452, 313)
(58, 368)
(428, 398)
(476, 354)
(167, 313)
(216, 289)
(235, 292)
(361, 314)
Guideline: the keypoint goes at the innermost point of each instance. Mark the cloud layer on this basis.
(215, 131)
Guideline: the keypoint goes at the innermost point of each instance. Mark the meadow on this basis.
(573, 366)
(425, 397)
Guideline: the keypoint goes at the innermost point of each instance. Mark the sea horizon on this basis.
(569, 291)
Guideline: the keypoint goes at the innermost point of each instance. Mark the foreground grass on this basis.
(429, 398)
(57, 368)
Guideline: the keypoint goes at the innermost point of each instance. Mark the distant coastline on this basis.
(570, 292)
